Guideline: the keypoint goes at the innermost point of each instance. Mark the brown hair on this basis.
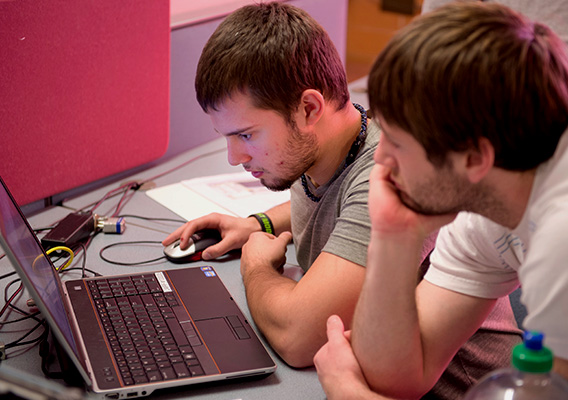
(273, 52)
(472, 70)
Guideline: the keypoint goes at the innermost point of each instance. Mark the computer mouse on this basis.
(198, 242)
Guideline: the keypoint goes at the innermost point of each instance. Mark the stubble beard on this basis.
(300, 155)
(447, 194)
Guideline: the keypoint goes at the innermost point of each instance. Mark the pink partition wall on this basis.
(84, 91)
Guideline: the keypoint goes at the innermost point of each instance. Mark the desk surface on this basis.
(285, 383)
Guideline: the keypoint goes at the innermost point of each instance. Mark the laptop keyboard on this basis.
(149, 332)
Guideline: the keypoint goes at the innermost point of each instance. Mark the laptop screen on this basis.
(24, 249)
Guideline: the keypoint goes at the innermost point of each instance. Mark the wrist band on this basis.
(265, 222)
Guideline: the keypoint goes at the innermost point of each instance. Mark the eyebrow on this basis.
(235, 132)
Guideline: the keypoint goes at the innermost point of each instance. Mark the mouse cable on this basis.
(129, 263)
(158, 223)
(152, 218)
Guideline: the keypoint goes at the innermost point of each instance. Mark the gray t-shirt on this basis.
(339, 223)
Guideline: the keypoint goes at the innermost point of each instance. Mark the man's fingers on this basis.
(335, 328)
(172, 237)
(185, 231)
(286, 236)
(215, 251)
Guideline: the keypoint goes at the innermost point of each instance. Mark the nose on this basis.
(236, 153)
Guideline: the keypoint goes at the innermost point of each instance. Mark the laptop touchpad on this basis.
(229, 352)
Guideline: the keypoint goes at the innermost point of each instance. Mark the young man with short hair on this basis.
(472, 100)
(274, 86)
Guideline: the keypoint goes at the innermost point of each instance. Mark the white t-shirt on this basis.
(478, 257)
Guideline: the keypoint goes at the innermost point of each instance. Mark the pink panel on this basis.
(84, 91)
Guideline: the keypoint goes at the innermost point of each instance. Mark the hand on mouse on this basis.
(234, 232)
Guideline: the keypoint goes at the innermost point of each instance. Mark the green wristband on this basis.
(265, 222)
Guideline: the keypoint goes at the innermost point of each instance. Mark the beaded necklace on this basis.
(353, 151)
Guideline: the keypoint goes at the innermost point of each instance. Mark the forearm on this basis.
(352, 390)
(419, 328)
(277, 306)
(387, 310)
(338, 370)
(280, 217)
(270, 298)
(292, 315)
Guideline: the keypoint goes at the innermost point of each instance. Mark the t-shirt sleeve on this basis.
(350, 236)
(477, 257)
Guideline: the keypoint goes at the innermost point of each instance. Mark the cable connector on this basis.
(110, 224)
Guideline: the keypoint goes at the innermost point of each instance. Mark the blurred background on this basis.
(370, 25)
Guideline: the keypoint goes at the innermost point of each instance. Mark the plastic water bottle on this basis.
(529, 379)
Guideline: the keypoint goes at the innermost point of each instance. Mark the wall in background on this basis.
(369, 28)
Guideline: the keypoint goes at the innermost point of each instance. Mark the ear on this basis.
(311, 108)
(479, 162)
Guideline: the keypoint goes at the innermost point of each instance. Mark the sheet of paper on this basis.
(238, 194)
(184, 201)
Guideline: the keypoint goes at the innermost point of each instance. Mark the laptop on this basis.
(129, 335)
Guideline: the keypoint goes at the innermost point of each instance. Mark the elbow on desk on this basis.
(402, 392)
(295, 352)
(399, 383)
